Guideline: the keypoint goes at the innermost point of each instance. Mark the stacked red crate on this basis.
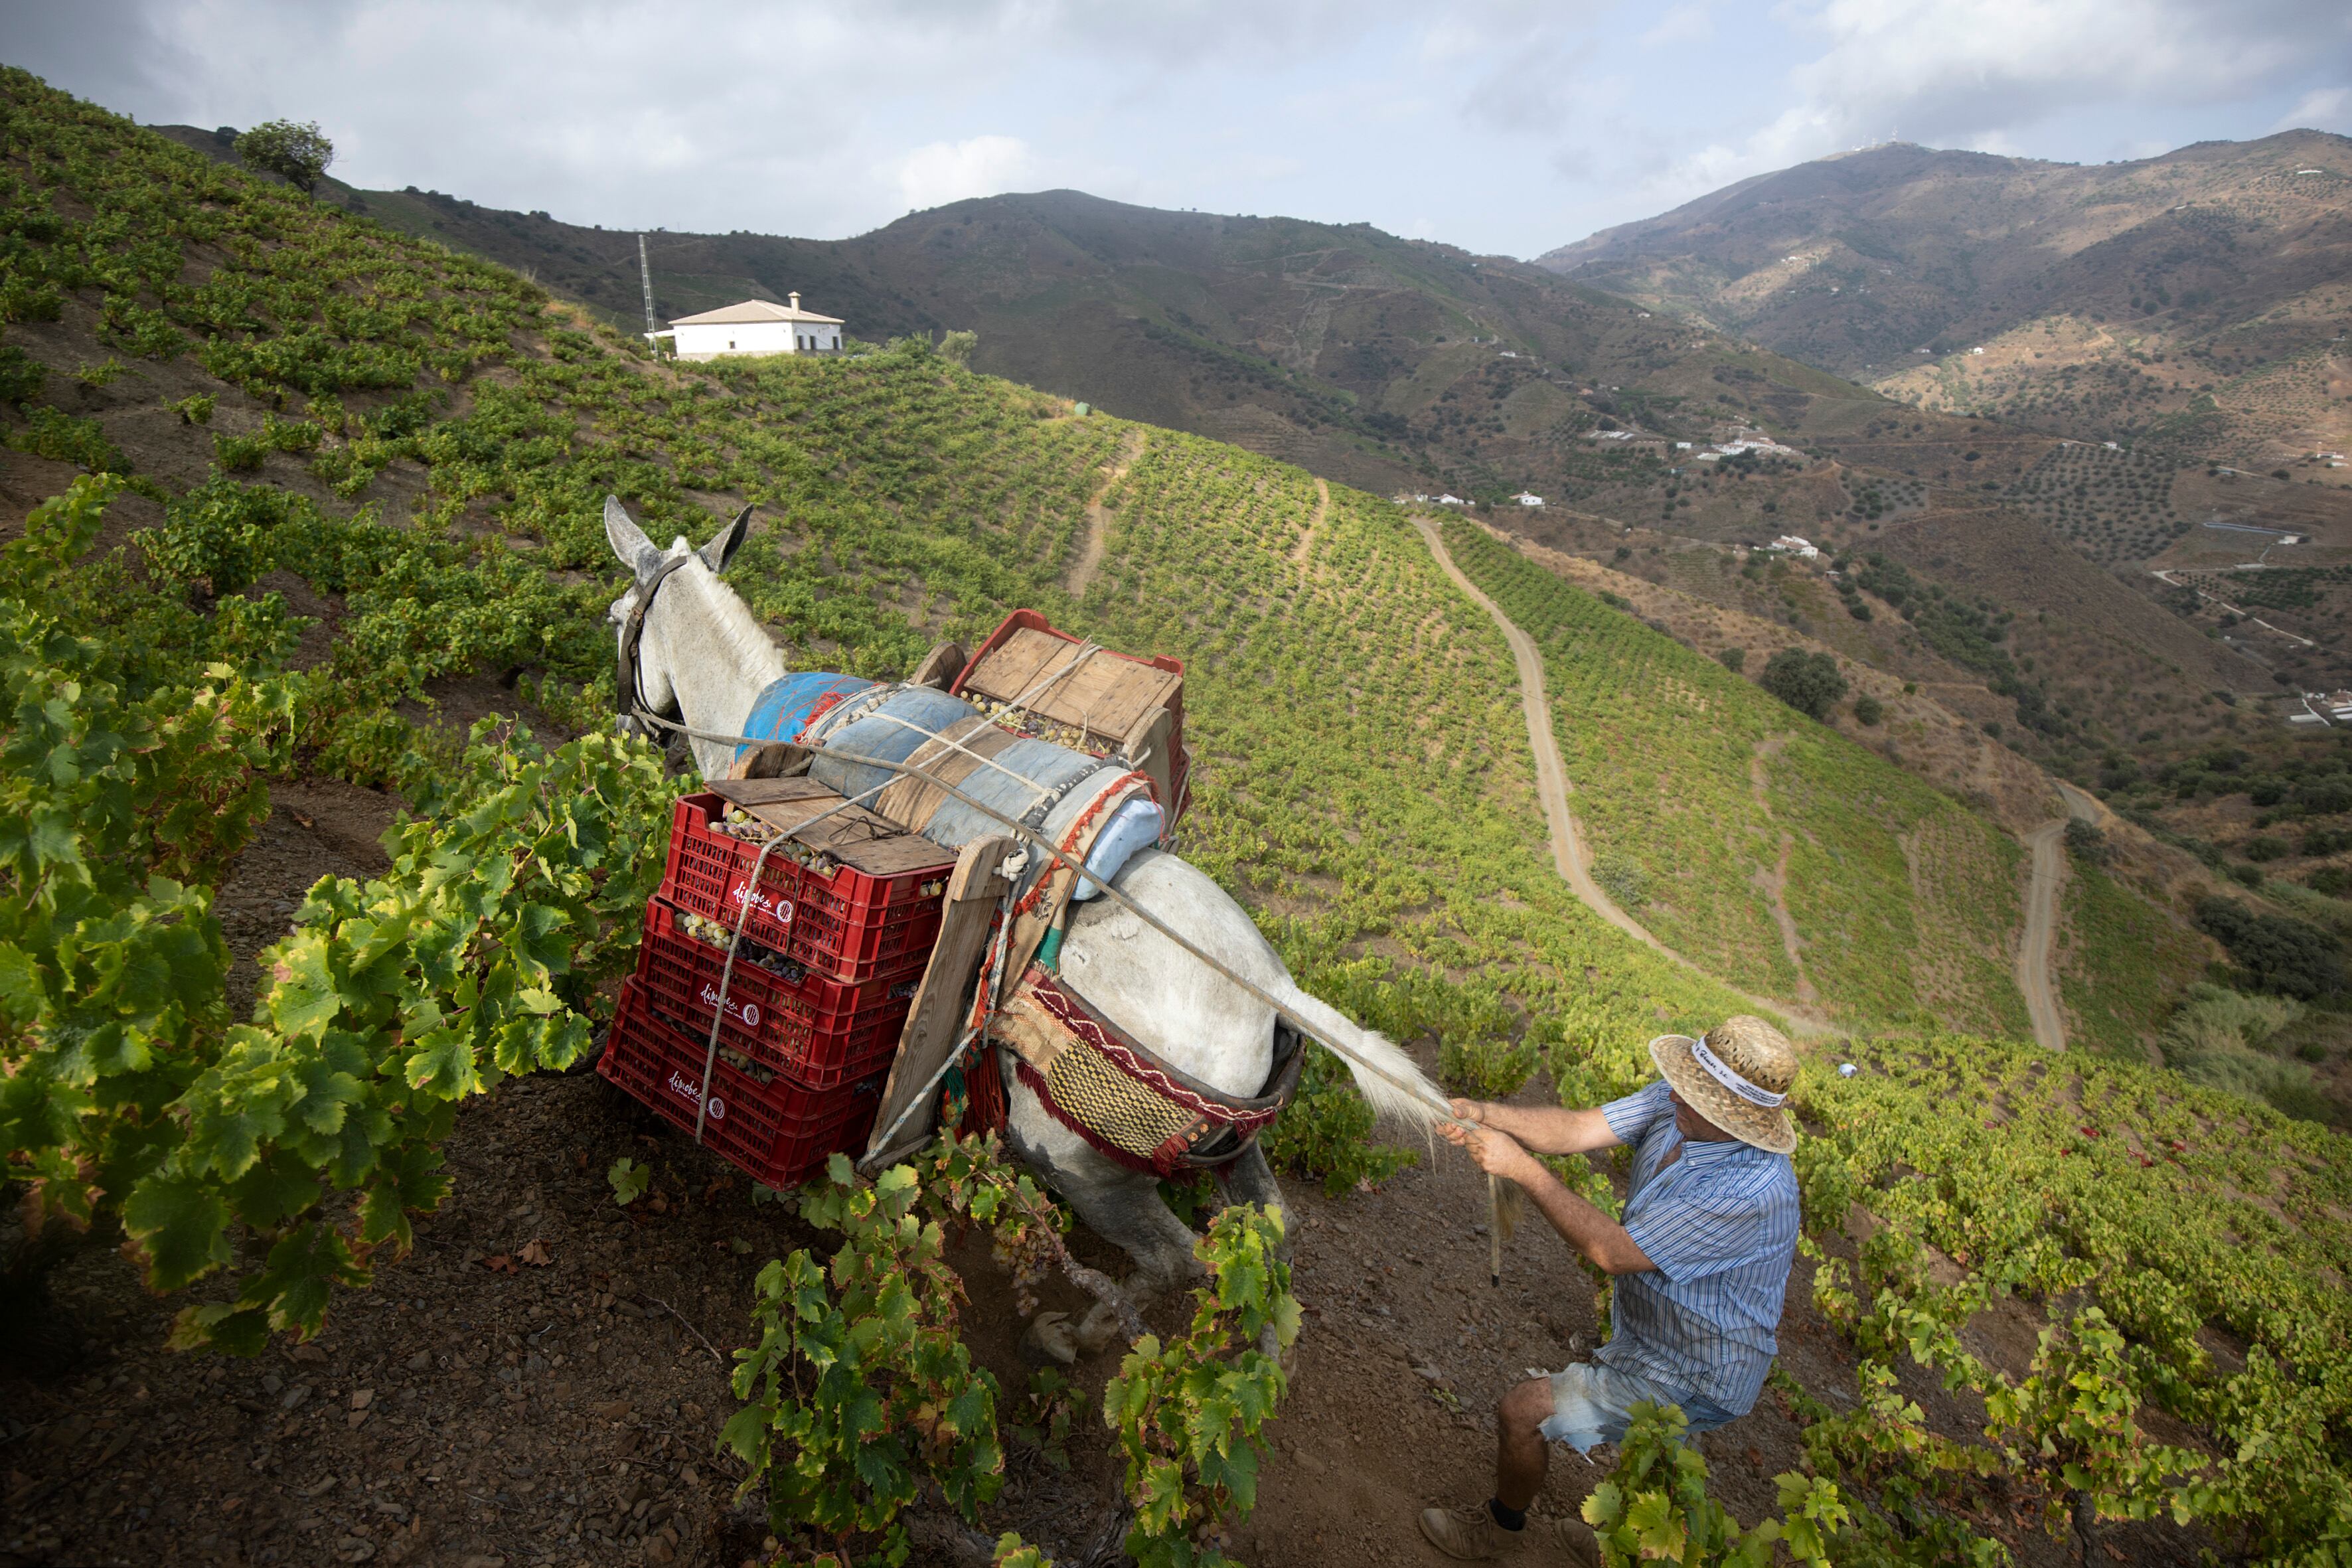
(827, 965)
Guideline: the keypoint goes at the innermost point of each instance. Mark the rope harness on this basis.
(1215, 1128)
(1150, 1117)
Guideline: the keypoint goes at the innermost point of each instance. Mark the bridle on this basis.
(629, 696)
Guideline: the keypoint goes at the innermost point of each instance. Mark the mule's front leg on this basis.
(1119, 1205)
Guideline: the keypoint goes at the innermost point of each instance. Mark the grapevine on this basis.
(1188, 1413)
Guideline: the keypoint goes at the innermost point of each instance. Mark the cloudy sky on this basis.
(1510, 126)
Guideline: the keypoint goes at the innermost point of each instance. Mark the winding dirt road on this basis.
(1568, 851)
(1081, 575)
(2038, 947)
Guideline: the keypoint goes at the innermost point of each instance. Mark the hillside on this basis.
(1374, 359)
(2198, 296)
(1384, 362)
(362, 472)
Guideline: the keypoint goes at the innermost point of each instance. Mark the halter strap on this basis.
(628, 697)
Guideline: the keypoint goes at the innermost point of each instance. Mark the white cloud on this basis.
(2323, 109)
(1950, 69)
(1688, 24)
(1501, 125)
(1993, 74)
(948, 172)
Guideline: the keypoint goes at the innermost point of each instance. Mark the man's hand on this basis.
(1584, 1227)
(1497, 1153)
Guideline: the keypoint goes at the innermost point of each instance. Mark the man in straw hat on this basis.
(1701, 1263)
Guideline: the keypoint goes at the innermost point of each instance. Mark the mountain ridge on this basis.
(1896, 265)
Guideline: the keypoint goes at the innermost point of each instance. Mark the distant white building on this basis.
(1525, 498)
(1451, 500)
(754, 327)
(1802, 549)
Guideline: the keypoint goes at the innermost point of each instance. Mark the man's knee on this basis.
(1527, 1407)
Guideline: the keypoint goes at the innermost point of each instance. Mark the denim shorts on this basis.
(1592, 1404)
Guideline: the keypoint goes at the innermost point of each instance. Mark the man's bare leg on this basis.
(1501, 1526)
(1521, 1452)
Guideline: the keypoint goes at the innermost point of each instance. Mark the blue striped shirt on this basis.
(1720, 1225)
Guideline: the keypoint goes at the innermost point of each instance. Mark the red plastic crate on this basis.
(848, 925)
(777, 1133)
(816, 1030)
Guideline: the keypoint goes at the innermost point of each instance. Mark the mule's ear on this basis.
(727, 542)
(627, 539)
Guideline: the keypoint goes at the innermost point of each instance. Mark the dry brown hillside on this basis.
(2199, 296)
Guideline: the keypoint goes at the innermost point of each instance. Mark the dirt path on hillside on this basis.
(1568, 851)
(1082, 571)
(1304, 548)
(2037, 950)
(1772, 881)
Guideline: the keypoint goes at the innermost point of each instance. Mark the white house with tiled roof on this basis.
(754, 327)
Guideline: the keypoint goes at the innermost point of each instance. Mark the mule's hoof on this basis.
(1098, 1329)
(1049, 1339)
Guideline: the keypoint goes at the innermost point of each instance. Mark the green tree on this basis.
(298, 151)
(958, 346)
(1809, 682)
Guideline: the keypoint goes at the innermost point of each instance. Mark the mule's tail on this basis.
(1386, 1076)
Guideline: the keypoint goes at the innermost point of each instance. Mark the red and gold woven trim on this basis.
(1246, 1116)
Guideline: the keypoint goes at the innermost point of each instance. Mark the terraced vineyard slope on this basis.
(1768, 847)
(327, 488)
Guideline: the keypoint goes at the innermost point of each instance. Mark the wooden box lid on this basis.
(1095, 690)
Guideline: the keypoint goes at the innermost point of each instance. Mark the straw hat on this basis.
(1737, 1077)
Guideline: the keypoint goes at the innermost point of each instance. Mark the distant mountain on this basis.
(1393, 363)
(2200, 298)
(1371, 359)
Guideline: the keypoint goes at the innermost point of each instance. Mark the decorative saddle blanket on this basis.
(1123, 1100)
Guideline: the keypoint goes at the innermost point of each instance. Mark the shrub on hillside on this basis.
(1867, 710)
(2231, 1041)
(1809, 682)
(297, 152)
(2336, 881)
(21, 375)
(1622, 879)
(2085, 842)
(1732, 659)
(2274, 952)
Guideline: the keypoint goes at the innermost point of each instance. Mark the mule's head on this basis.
(647, 562)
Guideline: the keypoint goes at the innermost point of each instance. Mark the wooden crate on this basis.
(1113, 701)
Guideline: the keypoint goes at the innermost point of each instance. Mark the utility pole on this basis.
(646, 276)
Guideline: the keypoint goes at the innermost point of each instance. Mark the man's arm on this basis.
(1546, 1128)
(1583, 1226)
